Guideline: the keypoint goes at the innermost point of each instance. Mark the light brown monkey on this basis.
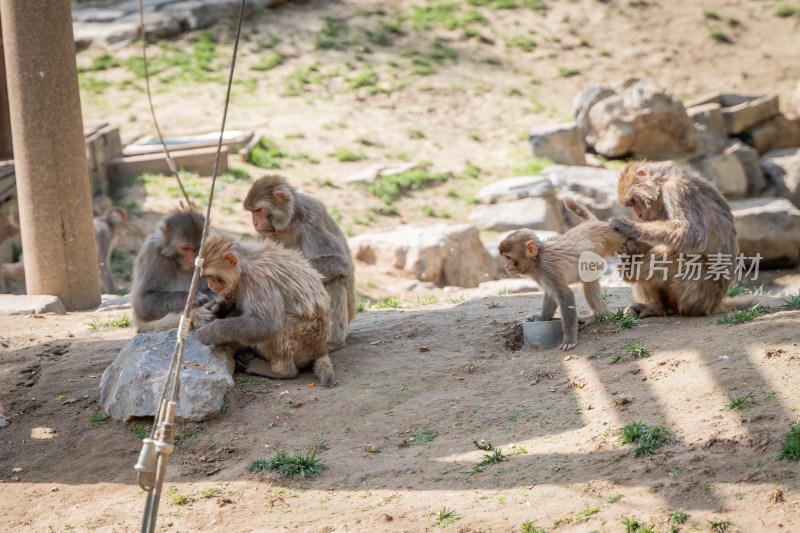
(296, 220)
(553, 263)
(109, 228)
(281, 316)
(682, 214)
(162, 274)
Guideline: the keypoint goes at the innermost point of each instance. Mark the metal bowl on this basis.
(542, 334)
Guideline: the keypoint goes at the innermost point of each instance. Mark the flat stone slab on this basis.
(132, 384)
(29, 304)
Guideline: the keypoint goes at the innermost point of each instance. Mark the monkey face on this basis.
(512, 267)
(638, 206)
(188, 254)
(219, 285)
(262, 221)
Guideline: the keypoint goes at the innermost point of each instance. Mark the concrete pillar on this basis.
(53, 188)
(6, 149)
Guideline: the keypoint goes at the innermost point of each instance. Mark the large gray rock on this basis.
(770, 227)
(782, 168)
(710, 129)
(640, 119)
(533, 213)
(442, 254)
(748, 113)
(28, 304)
(777, 133)
(726, 172)
(748, 158)
(515, 189)
(562, 143)
(132, 384)
(586, 99)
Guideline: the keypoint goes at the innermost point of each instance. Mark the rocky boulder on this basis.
(533, 213)
(30, 304)
(562, 143)
(515, 189)
(131, 386)
(782, 168)
(596, 188)
(442, 254)
(770, 227)
(748, 158)
(726, 172)
(710, 129)
(640, 119)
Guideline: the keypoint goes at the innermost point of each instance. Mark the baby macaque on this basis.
(553, 263)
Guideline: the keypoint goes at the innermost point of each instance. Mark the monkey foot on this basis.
(640, 310)
(568, 345)
(586, 320)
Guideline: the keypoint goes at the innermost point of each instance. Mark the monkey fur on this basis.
(162, 273)
(681, 213)
(553, 263)
(280, 322)
(298, 221)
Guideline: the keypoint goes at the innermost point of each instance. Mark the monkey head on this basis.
(639, 189)
(182, 232)
(220, 265)
(520, 251)
(271, 202)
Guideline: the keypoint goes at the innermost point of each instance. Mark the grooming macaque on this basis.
(682, 214)
(280, 319)
(301, 222)
(109, 228)
(553, 263)
(162, 274)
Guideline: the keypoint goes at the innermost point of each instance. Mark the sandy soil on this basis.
(424, 381)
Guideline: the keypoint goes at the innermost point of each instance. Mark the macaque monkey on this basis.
(301, 222)
(162, 274)
(682, 213)
(280, 317)
(554, 265)
(109, 228)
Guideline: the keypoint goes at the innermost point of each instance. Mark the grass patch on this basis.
(141, 432)
(739, 316)
(266, 154)
(528, 527)
(268, 63)
(785, 11)
(711, 14)
(346, 155)
(93, 86)
(742, 290)
(740, 402)
(632, 525)
(365, 78)
(363, 305)
(526, 44)
(720, 526)
(424, 436)
(104, 61)
(621, 319)
(290, 465)
(123, 321)
(791, 303)
(445, 516)
(535, 167)
(647, 439)
(790, 448)
(190, 434)
(98, 419)
(637, 350)
(428, 300)
(567, 72)
(388, 302)
(390, 188)
(678, 516)
(720, 36)
(489, 459)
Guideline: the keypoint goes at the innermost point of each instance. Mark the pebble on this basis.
(16, 470)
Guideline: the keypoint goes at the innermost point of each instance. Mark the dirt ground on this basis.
(423, 382)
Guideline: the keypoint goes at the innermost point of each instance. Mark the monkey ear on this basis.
(531, 249)
(643, 173)
(231, 259)
(282, 196)
(163, 228)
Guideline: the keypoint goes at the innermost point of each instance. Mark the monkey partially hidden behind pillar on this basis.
(273, 312)
(162, 274)
(682, 214)
(553, 263)
(109, 228)
(298, 221)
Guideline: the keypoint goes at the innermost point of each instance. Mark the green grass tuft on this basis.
(740, 402)
(390, 188)
(424, 436)
(790, 449)
(720, 526)
(290, 465)
(678, 516)
(621, 319)
(739, 316)
(123, 321)
(791, 303)
(98, 419)
(647, 439)
(266, 154)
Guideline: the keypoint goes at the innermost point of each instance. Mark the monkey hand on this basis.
(624, 226)
(203, 315)
(205, 335)
(200, 298)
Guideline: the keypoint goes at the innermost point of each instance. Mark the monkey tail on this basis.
(738, 303)
(171, 321)
(578, 209)
(323, 369)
